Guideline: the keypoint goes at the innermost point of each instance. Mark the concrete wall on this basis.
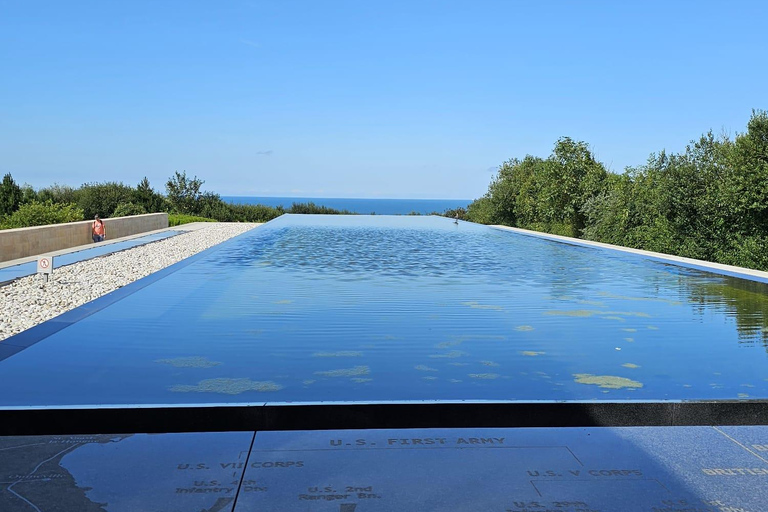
(24, 242)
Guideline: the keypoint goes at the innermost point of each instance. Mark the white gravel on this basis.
(30, 301)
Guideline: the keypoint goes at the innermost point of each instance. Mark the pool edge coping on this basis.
(39, 332)
(271, 416)
(709, 266)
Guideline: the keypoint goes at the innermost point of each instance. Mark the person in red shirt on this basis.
(98, 230)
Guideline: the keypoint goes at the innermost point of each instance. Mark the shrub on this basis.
(215, 208)
(103, 198)
(57, 193)
(128, 209)
(177, 219)
(28, 194)
(453, 213)
(41, 214)
(312, 208)
(254, 212)
(480, 211)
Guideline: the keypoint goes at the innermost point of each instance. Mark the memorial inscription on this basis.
(512, 470)
(682, 469)
(108, 473)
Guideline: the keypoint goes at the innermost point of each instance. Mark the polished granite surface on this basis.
(167, 472)
(656, 469)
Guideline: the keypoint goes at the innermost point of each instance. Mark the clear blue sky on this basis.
(362, 98)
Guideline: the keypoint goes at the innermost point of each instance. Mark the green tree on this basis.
(512, 196)
(709, 202)
(480, 210)
(103, 198)
(571, 176)
(28, 193)
(10, 195)
(147, 198)
(58, 194)
(748, 187)
(183, 193)
(546, 195)
(211, 205)
(744, 197)
(503, 194)
(517, 193)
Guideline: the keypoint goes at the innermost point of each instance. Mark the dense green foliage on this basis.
(36, 213)
(128, 209)
(148, 199)
(312, 208)
(10, 195)
(55, 193)
(184, 195)
(103, 198)
(544, 194)
(454, 213)
(709, 202)
(177, 219)
(110, 199)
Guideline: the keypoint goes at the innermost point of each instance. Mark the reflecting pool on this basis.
(369, 308)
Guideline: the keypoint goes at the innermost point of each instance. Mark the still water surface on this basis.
(315, 308)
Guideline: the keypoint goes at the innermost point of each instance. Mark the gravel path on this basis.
(30, 301)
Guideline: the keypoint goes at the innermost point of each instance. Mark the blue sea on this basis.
(361, 206)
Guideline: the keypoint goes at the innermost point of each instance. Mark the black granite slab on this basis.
(648, 469)
(122, 473)
(275, 416)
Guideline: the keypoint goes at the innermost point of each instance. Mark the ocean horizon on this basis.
(365, 206)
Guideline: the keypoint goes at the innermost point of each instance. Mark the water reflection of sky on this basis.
(400, 308)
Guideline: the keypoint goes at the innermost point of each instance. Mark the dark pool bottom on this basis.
(670, 469)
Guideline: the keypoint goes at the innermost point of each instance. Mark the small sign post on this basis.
(45, 266)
